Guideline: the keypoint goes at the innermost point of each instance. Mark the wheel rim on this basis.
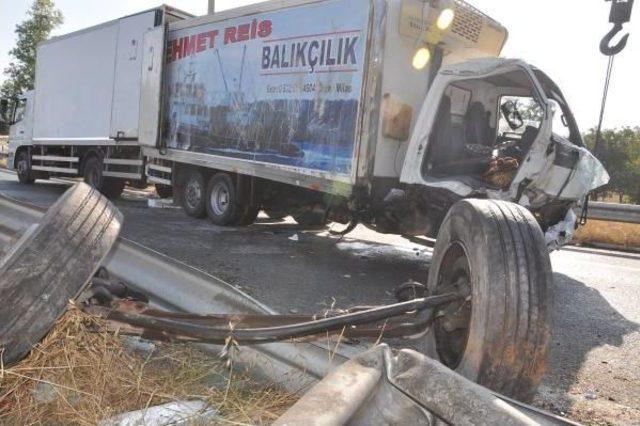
(193, 193)
(219, 199)
(452, 324)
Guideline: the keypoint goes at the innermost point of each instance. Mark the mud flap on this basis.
(51, 264)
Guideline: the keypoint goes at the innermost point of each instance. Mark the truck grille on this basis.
(467, 22)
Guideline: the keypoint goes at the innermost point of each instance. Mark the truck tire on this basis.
(164, 191)
(92, 174)
(223, 205)
(494, 253)
(23, 168)
(193, 194)
(51, 264)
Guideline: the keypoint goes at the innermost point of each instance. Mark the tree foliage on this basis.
(42, 18)
(619, 151)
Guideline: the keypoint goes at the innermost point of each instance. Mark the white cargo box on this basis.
(87, 87)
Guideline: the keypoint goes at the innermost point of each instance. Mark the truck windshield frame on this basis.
(553, 93)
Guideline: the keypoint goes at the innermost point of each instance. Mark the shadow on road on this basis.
(583, 321)
(41, 193)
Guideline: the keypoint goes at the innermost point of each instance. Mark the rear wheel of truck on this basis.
(193, 194)
(23, 168)
(224, 206)
(110, 187)
(494, 253)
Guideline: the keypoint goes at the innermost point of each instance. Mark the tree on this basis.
(42, 19)
(620, 154)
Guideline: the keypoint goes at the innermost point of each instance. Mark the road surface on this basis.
(593, 371)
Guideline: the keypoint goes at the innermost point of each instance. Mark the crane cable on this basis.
(603, 105)
(596, 148)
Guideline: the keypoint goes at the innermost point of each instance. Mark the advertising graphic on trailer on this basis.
(281, 87)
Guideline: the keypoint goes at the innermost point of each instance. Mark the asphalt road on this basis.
(593, 371)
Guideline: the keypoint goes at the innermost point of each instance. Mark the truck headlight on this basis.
(421, 58)
(445, 19)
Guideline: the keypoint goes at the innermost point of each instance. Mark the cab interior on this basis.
(483, 130)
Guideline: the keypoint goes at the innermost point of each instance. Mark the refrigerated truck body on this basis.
(395, 114)
(81, 119)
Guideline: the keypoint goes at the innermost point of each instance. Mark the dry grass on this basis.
(625, 235)
(80, 375)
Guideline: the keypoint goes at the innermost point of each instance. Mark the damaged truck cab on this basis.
(501, 129)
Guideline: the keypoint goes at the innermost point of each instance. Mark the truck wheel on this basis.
(164, 191)
(193, 194)
(51, 264)
(222, 203)
(494, 253)
(110, 188)
(23, 168)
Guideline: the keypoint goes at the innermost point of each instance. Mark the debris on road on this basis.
(171, 413)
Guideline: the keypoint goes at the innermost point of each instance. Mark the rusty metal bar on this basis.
(265, 329)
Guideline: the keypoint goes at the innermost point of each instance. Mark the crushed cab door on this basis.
(150, 120)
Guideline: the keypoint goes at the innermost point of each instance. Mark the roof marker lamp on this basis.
(421, 58)
(445, 19)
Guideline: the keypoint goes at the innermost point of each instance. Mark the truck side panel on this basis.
(282, 89)
(88, 83)
(74, 85)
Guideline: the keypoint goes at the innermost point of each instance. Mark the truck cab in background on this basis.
(81, 118)
(20, 132)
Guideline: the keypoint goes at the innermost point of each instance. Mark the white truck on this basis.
(81, 119)
(396, 114)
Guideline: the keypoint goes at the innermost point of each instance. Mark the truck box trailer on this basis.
(395, 114)
(81, 119)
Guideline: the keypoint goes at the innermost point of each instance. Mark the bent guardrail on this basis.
(626, 213)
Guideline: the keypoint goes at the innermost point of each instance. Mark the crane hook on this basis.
(620, 14)
(605, 44)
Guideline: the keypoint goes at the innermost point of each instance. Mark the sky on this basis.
(559, 36)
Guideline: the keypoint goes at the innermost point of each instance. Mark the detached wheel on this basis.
(51, 264)
(494, 253)
(23, 168)
(193, 194)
